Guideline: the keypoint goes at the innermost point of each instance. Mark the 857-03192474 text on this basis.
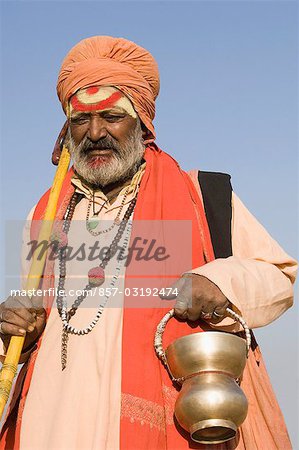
(101, 291)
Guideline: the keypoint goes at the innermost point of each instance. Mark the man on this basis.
(91, 379)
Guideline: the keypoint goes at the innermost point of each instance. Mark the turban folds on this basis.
(108, 61)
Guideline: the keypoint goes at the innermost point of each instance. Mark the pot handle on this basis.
(161, 327)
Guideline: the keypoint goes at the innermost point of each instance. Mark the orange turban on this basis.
(104, 60)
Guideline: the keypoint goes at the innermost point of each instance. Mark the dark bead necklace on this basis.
(96, 275)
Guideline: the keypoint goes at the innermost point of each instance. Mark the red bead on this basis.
(96, 276)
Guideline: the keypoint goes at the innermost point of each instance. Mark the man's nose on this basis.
(97, 129)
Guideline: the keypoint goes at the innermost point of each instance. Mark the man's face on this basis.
(106, 145)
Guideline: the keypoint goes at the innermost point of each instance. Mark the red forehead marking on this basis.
(92, 90)
(103, 104)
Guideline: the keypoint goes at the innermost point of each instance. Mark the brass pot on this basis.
(211, 405)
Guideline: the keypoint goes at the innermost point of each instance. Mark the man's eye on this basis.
(113, 118)
(79, 120)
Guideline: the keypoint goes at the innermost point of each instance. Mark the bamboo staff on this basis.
(10, 365)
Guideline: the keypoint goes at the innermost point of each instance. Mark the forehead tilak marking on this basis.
(102, 104)
(97, 98)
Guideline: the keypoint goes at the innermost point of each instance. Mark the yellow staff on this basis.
(10, 365)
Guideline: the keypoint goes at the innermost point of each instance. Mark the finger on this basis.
(34, 303)
(41, 314)
(40, 311)
(14, 302)
(10, 329)
(219, 313)
(195, 314)
(22, 304)
(181, 307)
(9, 316)
(201, 309)
(26, 314)
(172, 292)
(37, 302)
(23, 313)
(184, 300)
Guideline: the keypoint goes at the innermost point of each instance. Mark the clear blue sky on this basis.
(228, 103)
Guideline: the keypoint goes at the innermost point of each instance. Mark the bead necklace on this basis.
(96, 276)
(93, 203)
(93, 222)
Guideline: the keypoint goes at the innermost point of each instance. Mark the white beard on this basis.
(122, 165)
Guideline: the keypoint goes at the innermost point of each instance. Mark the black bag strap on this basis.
(216, 190)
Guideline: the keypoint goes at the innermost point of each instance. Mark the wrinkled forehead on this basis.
(100, 98)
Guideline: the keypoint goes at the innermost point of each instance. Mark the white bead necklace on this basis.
(66, 325)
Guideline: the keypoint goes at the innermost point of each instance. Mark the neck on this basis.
(110, 190)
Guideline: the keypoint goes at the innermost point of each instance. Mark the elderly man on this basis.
(91, 379)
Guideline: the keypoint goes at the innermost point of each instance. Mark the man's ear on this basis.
(59, 144)
(144, 131)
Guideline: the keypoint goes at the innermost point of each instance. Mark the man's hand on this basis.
(198, 298)
(20, 316)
